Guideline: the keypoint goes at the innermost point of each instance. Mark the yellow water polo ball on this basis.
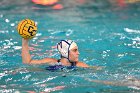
(27, 28)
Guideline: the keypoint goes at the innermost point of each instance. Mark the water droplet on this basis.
(17, 47)
(13, 31)
(12, 24)
(7, 20)
(36, 23)
(38, 34)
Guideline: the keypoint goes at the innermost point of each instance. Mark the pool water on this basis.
(108, 36)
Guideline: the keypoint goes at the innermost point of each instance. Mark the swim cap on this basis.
(64, 46)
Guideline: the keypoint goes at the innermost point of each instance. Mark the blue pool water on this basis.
(108, 35)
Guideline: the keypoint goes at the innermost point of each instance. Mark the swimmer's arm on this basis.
(26, 57)
(43, 61)
(82, 64)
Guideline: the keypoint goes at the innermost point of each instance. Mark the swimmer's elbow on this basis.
(26, 61)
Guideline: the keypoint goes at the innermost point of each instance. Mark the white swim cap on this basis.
(64, 46)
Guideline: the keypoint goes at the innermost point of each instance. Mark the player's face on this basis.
(74, 54)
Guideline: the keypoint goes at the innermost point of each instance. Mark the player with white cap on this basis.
(67, 48)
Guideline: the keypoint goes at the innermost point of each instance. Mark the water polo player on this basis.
(67, 48)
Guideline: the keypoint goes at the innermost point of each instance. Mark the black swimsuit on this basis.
(59, 66)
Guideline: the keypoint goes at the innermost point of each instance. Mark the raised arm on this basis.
(26, 57)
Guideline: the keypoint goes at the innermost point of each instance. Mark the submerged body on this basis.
(133, 82)
(59, 66)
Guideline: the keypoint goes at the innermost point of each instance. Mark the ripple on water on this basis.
(17, 47)
(132, 31)
(4, 31)
(69, 32)
(135, 43)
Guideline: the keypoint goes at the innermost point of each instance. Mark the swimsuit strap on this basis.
(72, 63)
(59, 62)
